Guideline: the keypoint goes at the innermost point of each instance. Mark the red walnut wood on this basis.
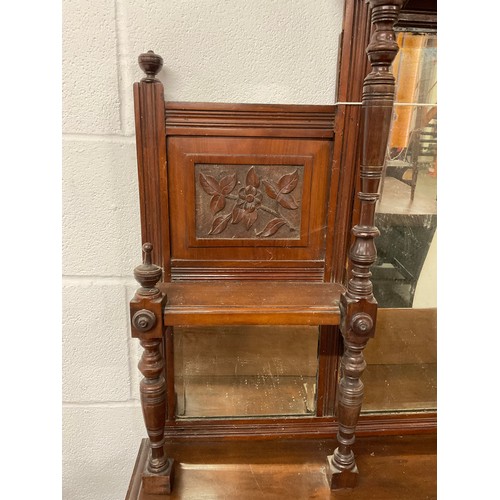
(153, 399)
(149, 106)
(257, 135)
(251, 303)
(151, 64)
(358, 306)
(146, 311)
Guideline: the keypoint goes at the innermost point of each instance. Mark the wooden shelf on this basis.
(251, 303)
(392, 467)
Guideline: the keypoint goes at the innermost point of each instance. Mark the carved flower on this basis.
(250, 198)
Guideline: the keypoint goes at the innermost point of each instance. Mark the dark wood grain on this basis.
(251, 303)
(237, 155)
(351, 72)
(134, 486)
(395, 467)
(358, 305)
(146, 311)
(149, 106)
(250, 120)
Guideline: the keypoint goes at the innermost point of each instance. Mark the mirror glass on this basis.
(246, 371)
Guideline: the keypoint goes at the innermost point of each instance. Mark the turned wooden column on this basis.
(146, 312)
(358, 306)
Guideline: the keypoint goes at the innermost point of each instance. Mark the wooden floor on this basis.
(391, 467)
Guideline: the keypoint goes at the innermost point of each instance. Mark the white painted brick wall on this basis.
(101, 217)
(268, 51)
(91, 101)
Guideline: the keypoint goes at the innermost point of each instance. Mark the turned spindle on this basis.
(358, 305)
(147, 274)
(146, 317)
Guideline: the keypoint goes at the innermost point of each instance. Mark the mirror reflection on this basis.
(401, 372)
(246, 371)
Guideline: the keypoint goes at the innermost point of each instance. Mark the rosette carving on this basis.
(245, 205)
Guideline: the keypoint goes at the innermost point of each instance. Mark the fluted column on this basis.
(358, 305)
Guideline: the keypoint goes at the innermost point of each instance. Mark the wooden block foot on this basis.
(341, 478)
(158, 483)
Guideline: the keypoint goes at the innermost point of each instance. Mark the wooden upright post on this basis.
(146, 311)
(149, 106)
(358, 306)
(146, 308)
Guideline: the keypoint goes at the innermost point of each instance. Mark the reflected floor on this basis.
(246, 371)
(257, 395)
(401, 371)
(400, 387)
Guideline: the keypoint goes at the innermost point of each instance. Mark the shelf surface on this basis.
(251, 303)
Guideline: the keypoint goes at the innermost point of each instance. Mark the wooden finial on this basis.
(147, 274)
(151, 64)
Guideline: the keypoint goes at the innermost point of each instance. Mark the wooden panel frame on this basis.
(266, 122)
(304, 161)
(183, 153)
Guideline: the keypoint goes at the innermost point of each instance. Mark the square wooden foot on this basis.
(158, 483)
(341, 478)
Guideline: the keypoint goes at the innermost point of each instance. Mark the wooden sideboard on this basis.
(258, 214)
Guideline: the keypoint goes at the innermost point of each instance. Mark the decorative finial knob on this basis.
(151, 64)
(147, 248)
(147, 274)
(362, 323)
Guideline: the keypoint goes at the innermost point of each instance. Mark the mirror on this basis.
(246, 371)
(401, 372)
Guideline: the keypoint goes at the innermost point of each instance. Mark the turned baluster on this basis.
(358, 306)
(146, 310)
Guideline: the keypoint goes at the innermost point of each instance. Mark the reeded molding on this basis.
(185, 118)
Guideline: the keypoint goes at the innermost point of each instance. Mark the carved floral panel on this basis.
(248, 201)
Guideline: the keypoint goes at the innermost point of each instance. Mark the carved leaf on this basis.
(287, 201)
(271, 227)
(227, 184)
(219, 224)
(253, 178)
(237, 214)
(249, 218)
(271, 190)
(288, 182)
(209, 184)
(217, 203)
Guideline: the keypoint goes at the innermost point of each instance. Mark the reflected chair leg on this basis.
(342, 471)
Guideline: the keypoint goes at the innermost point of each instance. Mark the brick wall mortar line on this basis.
(117, 138)
(131, 403)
